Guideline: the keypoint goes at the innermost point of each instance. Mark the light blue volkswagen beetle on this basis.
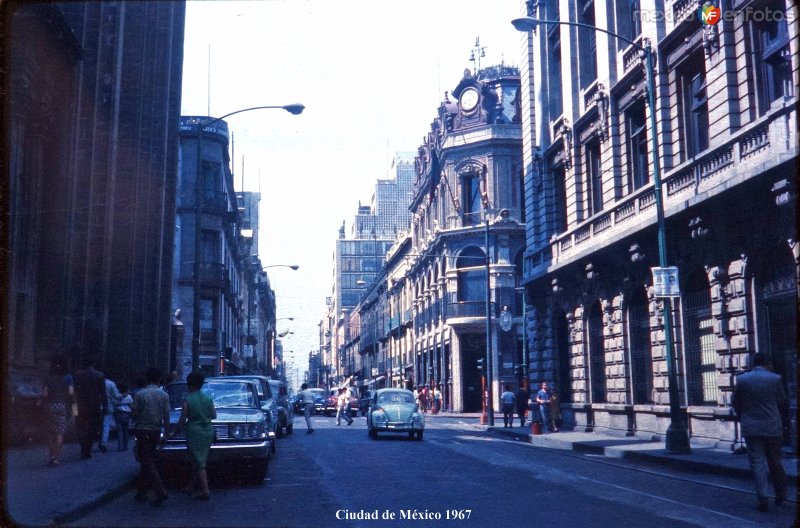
(394, 411)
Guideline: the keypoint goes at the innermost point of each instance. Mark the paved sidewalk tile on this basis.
(38, 495)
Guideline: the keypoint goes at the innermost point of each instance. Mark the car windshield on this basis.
(230, 394)
(264, 389)
(395, 397)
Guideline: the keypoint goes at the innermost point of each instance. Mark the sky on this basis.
(371, 74)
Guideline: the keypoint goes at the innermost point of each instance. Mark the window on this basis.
(629, 20)
(587, 43)
(594, 183)
(559, 199)
(209, 243)
(638, 169)
(471, 188)
(770, 40)
(695, 107)
(211, 179)
(554, 74)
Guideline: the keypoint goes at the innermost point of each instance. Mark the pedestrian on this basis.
(112, 396)
(307, 397)
(507, 400)
(197, 411)
(423, 398)
(122, 416)
(150, 409)
(761, 407)
(437, 400)
(59, 396)
(90, 394)
(555, 409)
(521, 403)
(543, 399)
(343, 402)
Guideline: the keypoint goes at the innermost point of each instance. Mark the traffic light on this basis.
(480, 364)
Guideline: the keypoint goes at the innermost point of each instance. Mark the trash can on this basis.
(536, 428)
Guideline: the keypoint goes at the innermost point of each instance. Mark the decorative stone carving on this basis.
(603, 110)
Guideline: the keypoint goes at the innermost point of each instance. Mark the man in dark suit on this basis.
(760, 403)
(90, 393)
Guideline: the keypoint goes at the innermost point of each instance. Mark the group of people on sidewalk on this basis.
(545, 407)
(95, 402)
(428, 399)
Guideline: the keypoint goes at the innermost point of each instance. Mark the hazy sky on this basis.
(371, 74)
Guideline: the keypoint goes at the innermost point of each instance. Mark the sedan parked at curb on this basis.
(242, 436)
(394, 411)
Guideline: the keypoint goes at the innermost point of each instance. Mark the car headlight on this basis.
(255, 431)
(379, 415)
(416, 417)
(236, 431)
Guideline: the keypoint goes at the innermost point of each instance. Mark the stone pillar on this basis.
(580, 389)
(616, 364)
(659, 349)
(733, 323)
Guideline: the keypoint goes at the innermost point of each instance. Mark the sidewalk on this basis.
(38, 495)
(702, 459)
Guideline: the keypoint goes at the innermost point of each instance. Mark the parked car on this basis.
(319, 402)
(285, 411)
(394, 411)
(363, 402)
(268, 401)
(332, 401)
(242, 435)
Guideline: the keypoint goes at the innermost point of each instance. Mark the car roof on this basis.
(392, 389)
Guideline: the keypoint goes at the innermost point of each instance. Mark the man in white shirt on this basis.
(112, 396)
(307, 397)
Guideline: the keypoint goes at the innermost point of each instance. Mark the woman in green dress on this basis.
(196, 415)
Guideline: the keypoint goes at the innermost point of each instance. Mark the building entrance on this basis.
(473, 348)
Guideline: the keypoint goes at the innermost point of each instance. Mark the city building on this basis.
(726, 115)
(358, 259)
(467, 242)
(94, 93)
(235, 304)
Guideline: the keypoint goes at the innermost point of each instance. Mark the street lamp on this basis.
(677, 438)
(294, 267)
(524, 336)
(293, 109)
(489, 386)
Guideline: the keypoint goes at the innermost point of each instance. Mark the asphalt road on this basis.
(463, 476)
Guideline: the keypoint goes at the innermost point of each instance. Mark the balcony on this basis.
(214, 202)
(467, 309)
(746, 154)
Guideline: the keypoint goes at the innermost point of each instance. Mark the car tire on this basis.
(373, 434)
(419, 435)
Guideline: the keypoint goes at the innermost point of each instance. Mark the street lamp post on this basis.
(488, 373)
(524, 337)
(294, 109)
(677, 437)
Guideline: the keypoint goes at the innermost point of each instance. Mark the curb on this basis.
(85, 508)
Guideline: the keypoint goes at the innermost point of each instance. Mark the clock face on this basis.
(469, 99)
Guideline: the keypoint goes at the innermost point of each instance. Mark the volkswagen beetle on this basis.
(394, 411)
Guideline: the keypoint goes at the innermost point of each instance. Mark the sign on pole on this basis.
(665, 282)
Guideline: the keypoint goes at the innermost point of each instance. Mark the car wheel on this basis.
(411, 435)
(373, 434)
(419, 435)
(289, 428)
(273, 447)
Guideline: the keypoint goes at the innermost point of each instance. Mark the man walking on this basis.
(150, 410)
(521, 402)
(507, 399)
(543, 399)
(90, 395)
(342, 404)
(307, 397)
(760, 403)
(112, 398)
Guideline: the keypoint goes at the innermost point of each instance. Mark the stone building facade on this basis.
(92, 150)
(726, 113)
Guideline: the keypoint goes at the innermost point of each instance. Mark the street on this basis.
(338, 476)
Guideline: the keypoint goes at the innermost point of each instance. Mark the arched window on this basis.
(597, 360)
(471, 274)
(641, 358)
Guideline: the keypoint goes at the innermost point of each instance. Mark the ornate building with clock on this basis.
(467, 219)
